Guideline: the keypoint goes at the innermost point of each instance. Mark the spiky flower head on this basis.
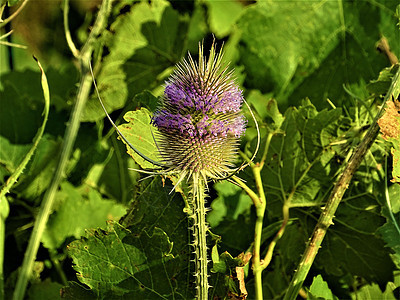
(199, 120)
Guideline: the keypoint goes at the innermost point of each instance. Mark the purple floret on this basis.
(166, 121)
(230, 101)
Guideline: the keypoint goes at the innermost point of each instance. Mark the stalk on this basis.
(69, 140)
(4, 210)
(198, 214)
(335, 197)
(260, 211)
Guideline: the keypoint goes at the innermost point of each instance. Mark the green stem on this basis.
(335, 197)
(4, 210)
(198, 214)
(260, 211)
(279, 234)
(69, 140)
(68, 37)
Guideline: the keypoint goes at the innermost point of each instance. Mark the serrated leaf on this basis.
(85, 206)
(297, 161)
(118, 262)
(157, 207)
(141, 134)
(320, 290)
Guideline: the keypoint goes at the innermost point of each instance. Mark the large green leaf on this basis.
(297, 163)
(159, 222)
(310, 49)
(118, 262)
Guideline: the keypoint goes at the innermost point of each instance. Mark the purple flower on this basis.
(199, 120)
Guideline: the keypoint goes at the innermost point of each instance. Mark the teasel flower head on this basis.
(199, 119)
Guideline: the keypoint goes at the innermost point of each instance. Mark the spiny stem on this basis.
(198, 214)
(335, 197)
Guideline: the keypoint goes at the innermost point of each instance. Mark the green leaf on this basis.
(223, 15)
(36, 179)
(157, 207)
(143, 45)
(297, 162)
(390, 233)
(75, 291)
(11, 156)
(381, 85)
(118, 262)
(85, 206)
(310, 49)
(348, 250)
(141, 134)
(46, 290)
(278, 43)
(373, 291)
(320, 290)
(36, 140)
(230, 203)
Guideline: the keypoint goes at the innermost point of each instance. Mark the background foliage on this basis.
(311, 71)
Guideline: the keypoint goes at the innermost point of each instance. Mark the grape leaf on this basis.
(164, 211)
(118, 262)
(297, 161)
